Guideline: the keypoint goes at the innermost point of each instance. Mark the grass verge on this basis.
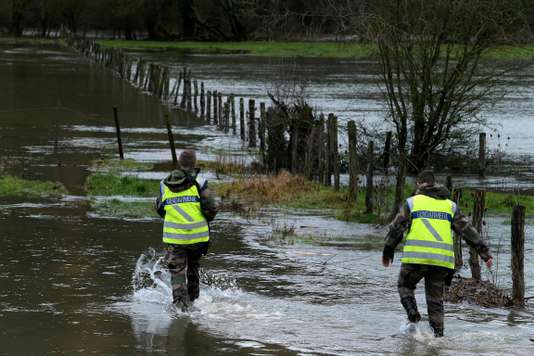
(296, 49)
(290, 191)
(497, 203)
(14, 186)
(258, 48)
(107, 184)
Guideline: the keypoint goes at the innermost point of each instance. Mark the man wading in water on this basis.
(187, 207)
(429, 217)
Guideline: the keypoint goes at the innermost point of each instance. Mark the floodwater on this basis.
(72, 281)
(350, 89)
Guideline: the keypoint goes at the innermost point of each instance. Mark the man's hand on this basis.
(386, 262)
(489, 263)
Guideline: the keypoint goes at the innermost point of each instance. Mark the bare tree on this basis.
(431, 53)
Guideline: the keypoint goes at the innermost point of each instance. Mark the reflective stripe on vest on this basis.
(184, 223)
(430, 239)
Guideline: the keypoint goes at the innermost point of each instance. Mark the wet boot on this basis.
(410, 305)
(180, 300)
(437, 329)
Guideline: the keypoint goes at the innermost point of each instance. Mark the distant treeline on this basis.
(219, 20)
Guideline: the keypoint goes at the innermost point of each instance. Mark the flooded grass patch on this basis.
(258, 48)
(14, 186)
(107, 184)
(291, 191)
(118, 166)
(225, 165)
(124, 209)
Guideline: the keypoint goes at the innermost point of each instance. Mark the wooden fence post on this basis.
(141, 76)
(370, 186)
(251, 123)
(220, 112)
(335, 151)
(118, 129)
(310, 159)
(322, 146)
(215, 97)
(261, 128)
(171, 141)
(458, 258)
(179, 79)
(353, 161)
(189, 92)
(328, 154)
(518, 255)
(242, 119)
(226, 115)
(232, 111)
(208, 106)
(482, 154)
(479, 205)
(202, 101)
(195, 96)
(184, 91)
(294, 150)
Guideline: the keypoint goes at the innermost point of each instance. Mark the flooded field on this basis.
(350, 89)
(71, 281)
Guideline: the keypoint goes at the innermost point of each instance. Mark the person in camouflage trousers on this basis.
(428, 217)
(187, 206)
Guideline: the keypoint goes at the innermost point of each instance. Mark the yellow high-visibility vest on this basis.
(184, 223)
(430, 239)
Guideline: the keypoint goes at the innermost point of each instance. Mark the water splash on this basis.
(151, 279)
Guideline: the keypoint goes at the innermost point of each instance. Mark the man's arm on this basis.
(463, 228)
(207, 202)
(160, 208)
(397, 228)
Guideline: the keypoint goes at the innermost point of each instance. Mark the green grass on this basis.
(123, 209)
(295, 49)
(508, 53)
(293, 192)
(111, 184)
(258, 48)
(14, 186)
(497, 203)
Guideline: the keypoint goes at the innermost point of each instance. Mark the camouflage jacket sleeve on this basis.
(160, 208)
(397, 228)
(462, 227)
(207, 202)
